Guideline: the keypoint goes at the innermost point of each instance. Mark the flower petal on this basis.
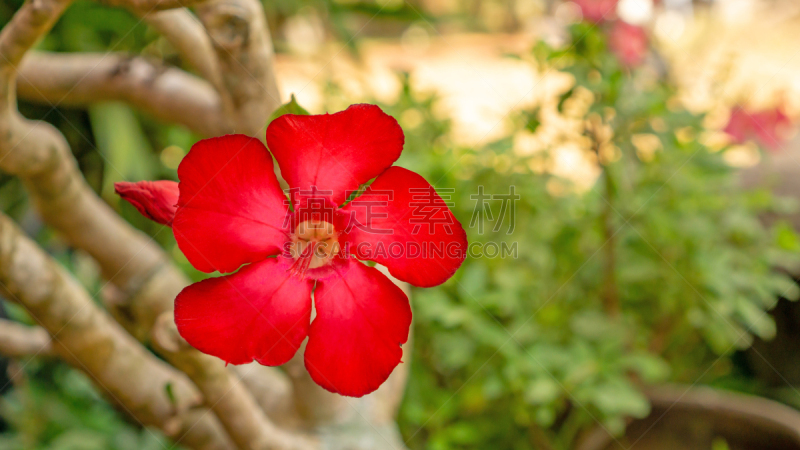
(598, 11)
(629, 43)
(328, 155)
(354, 341)
(259, 313)
(231, 209)
(401, 222)
(156, 200)
(739, 126)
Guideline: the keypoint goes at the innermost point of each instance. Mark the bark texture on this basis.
(88, 339)
(233, 89)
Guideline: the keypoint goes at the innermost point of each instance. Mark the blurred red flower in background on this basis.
(231, 212)
(628, 42)
(770, 128)
(597, 11)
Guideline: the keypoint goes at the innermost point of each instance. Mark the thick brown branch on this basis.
(239, 34)
(225, 395)
(166, 93)
(149, 6)
(185, 32)
(272, 391)
(136, 264)
(39, 155)
(29, 24)
(149, 390)
(147, 282)
(18, 341)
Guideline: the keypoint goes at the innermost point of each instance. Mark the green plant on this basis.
(660, 271)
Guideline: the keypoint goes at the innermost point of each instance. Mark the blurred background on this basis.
(627, 172)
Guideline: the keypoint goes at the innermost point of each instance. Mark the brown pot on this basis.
(693, 418)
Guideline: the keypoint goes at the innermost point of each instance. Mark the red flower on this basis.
(629, 43)
(156, 200)
(231, 212)
(768, 127)
(597, 11)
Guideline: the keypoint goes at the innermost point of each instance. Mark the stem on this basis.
(568, 432)
(610, 292)
(539, 438)
(662, 332)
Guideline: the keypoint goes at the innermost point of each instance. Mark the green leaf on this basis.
(758, 321)
(786, 237)
(619, 397)
(292, 107)
(650, 368)
(720, 444)
(542, 391)
(563, 98)
(170, 393)
(122, 143)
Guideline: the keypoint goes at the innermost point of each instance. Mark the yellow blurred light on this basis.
(539, 163)
(746, 155)
(502, 163)
(574, 163)
(556, 187)
(578, 104)
(415, 39)
(609, 154)
(568, 12)
(304, 32)
(411, 118)
(658, 125)
(526, 143)
(670, 26)
(635, 12)
(171, 156)
(685, 135)
(646, 145)
(714, 140)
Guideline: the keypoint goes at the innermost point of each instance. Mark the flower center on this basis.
(314, 244)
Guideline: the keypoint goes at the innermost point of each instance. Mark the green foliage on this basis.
(54, 407)
(510, 345)
(291, 107)
(122, 144)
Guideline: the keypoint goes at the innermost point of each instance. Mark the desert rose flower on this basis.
(768, 127)
(231, 212)
(156, 200)
(597, 11)
(628, 42)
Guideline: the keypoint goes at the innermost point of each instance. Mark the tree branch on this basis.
(148, 6)
(147, 283)
(226, 396)
(240, 36)
(38, 154)
(82, 79)
(136, 264)
(272, 391)
(31, 22)
(90, 341)
(19, 341)
(185, 32)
